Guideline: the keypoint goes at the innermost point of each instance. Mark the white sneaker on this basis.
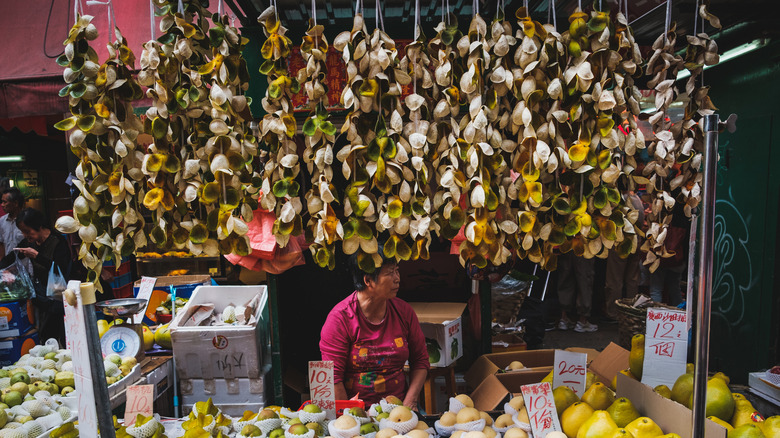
(585, 327)
(564, 324)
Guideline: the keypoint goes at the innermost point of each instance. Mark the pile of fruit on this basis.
(32, 392)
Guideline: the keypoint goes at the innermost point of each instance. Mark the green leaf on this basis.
(600, 198)
(613, 195)
(78, 90)
(388, 147)
(561, 206)
(64, 91)
(86, 123)
(281, 188)
(159, 128)
(572, 227)
(373, 151)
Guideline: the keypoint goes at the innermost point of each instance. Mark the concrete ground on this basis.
(597, 340)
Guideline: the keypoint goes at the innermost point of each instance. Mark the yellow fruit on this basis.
(720, 375)
(720, 422)
(102, 326)
(575, 416)
(689, 367)
(637, 356)
(564, 397)
(743, 411)
(771, 427)
(590, 379)
(162, 336)
(599, 425)
(747, 431)
(598, 396)
(548, 378)
(671, 435)
(663, 391)
(644, 427)
(720, 403)
(623, 412)
(622, 433)
(682, 390)
(148, 338)
(626, 372)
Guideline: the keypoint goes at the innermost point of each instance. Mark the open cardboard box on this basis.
(441, 322)
(609, 362)
(668, 414)
(493, 363)
(498, 388)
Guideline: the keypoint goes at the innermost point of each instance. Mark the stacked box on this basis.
(16, 318)
(12, 349)
(232, 396)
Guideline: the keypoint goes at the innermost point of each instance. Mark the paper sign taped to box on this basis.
(321, 387)
(541, 408)
(666, 347)
(570, 370)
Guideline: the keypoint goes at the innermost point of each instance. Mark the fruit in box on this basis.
(600, 424)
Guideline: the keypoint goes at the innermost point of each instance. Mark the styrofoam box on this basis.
(221, 352)
(232, 396)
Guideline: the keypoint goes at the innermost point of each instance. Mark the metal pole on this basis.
(102, 400)
(705, 276)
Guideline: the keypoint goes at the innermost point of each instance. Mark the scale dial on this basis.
(121, 340)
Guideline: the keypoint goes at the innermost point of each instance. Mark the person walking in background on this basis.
(575, 292)
(623, 272)
(665, 281)
(10, 235)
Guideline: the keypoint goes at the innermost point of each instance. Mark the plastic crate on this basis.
(122, 280)
(123, 269)
(125, 291)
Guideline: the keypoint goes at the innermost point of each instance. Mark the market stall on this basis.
(499, 137)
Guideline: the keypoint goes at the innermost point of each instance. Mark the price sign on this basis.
(140, 399)
(144, 293)
(76, 340)
(321, 388)
(666, 346)
(570, 370)
(541, 408)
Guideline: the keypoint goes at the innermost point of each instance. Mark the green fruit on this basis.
(50, 355)
(298, 429)
(683, 389)
(64, 378)
(368, 428)
(663, 391)
(4, 373)
(750, 430)
(3, 418)
(623, 412)
(13, 398)
(312, 408)
(251, 430)
(434, 350)
(564, 397)
(20, 377)
(276, 433)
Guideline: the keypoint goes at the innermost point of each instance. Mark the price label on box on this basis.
(570, 370)
(541, 408)
(666, 346)
(140, 400)
(321, 387)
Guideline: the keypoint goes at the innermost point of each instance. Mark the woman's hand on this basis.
(29, 252)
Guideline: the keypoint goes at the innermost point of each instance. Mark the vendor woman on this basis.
(370, 335)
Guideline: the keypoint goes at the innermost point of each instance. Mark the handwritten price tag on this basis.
(541, 408)
(76, 340)
(140, 400)
(666, 346)
(321, 388)
(144, 293)
(570, 370)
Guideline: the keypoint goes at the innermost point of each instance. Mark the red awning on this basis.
(32, 35)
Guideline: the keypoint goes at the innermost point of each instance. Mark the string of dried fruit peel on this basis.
(323, 228)
(203, 148)
(280, 187)
(103, 131)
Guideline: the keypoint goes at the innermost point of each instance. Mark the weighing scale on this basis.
(124, 339)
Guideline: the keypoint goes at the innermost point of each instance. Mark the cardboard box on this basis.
(441, 323)
(669, 415)
(490, 364)
(221, 352)
(609, 362)
(232, 396)
(439, 388)
(16, 318)
(12, 349)
(496, 389)
(508, 342)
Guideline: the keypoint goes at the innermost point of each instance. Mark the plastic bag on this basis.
(56, 284)
(15, 282)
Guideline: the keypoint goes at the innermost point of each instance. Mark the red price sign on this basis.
(541, 408)
(321, 388)
(140, 400)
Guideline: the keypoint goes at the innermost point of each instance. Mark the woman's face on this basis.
(387, 282)
(30, 234)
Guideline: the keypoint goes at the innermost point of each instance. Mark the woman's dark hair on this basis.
(14, 195)
(32, 219)
(358, 274)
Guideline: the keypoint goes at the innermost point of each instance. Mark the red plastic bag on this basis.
(266, 255)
